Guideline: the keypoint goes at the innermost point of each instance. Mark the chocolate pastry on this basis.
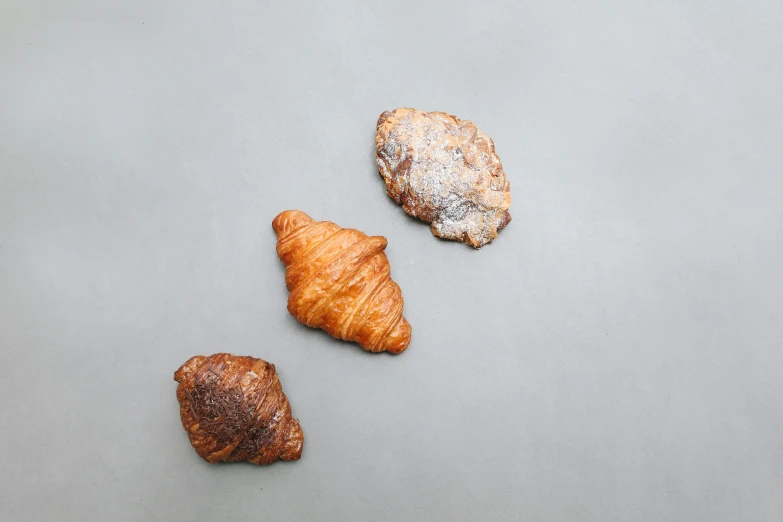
(340, 281)
(444, 171)
(233, 408)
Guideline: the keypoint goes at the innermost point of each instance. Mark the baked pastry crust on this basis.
(234, 409)
(340, 281)
(444, 171)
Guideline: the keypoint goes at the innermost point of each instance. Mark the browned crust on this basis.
(233, 409)
(340, 281)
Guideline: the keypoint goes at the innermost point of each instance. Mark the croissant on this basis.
(233, 409)
(445, 171)
(339, 279)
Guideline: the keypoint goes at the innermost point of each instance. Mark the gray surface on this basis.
(615, 355)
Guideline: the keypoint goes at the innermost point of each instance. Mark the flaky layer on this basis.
(340, 281)
(234, 409)
(444, 171)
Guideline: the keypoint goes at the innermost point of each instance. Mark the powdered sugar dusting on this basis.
(444, 171)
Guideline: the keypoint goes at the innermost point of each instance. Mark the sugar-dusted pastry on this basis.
(234, 409)
(444, 171)
(340, 281)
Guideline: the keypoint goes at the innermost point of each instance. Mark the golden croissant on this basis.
(340, 281)
(233, 409)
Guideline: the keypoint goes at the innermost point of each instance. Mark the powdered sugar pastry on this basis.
(444, 171)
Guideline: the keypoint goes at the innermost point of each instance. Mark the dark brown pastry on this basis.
(233, 409)
(340, 281)
(444, 171)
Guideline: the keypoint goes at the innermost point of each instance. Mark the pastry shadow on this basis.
(321, 336)
(227, 467)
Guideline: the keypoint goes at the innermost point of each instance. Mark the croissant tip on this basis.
(295, 442)
(400, 337)
(289, 220)
(188, 367)
(399, 350)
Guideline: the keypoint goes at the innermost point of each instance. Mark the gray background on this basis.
(615, 355)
